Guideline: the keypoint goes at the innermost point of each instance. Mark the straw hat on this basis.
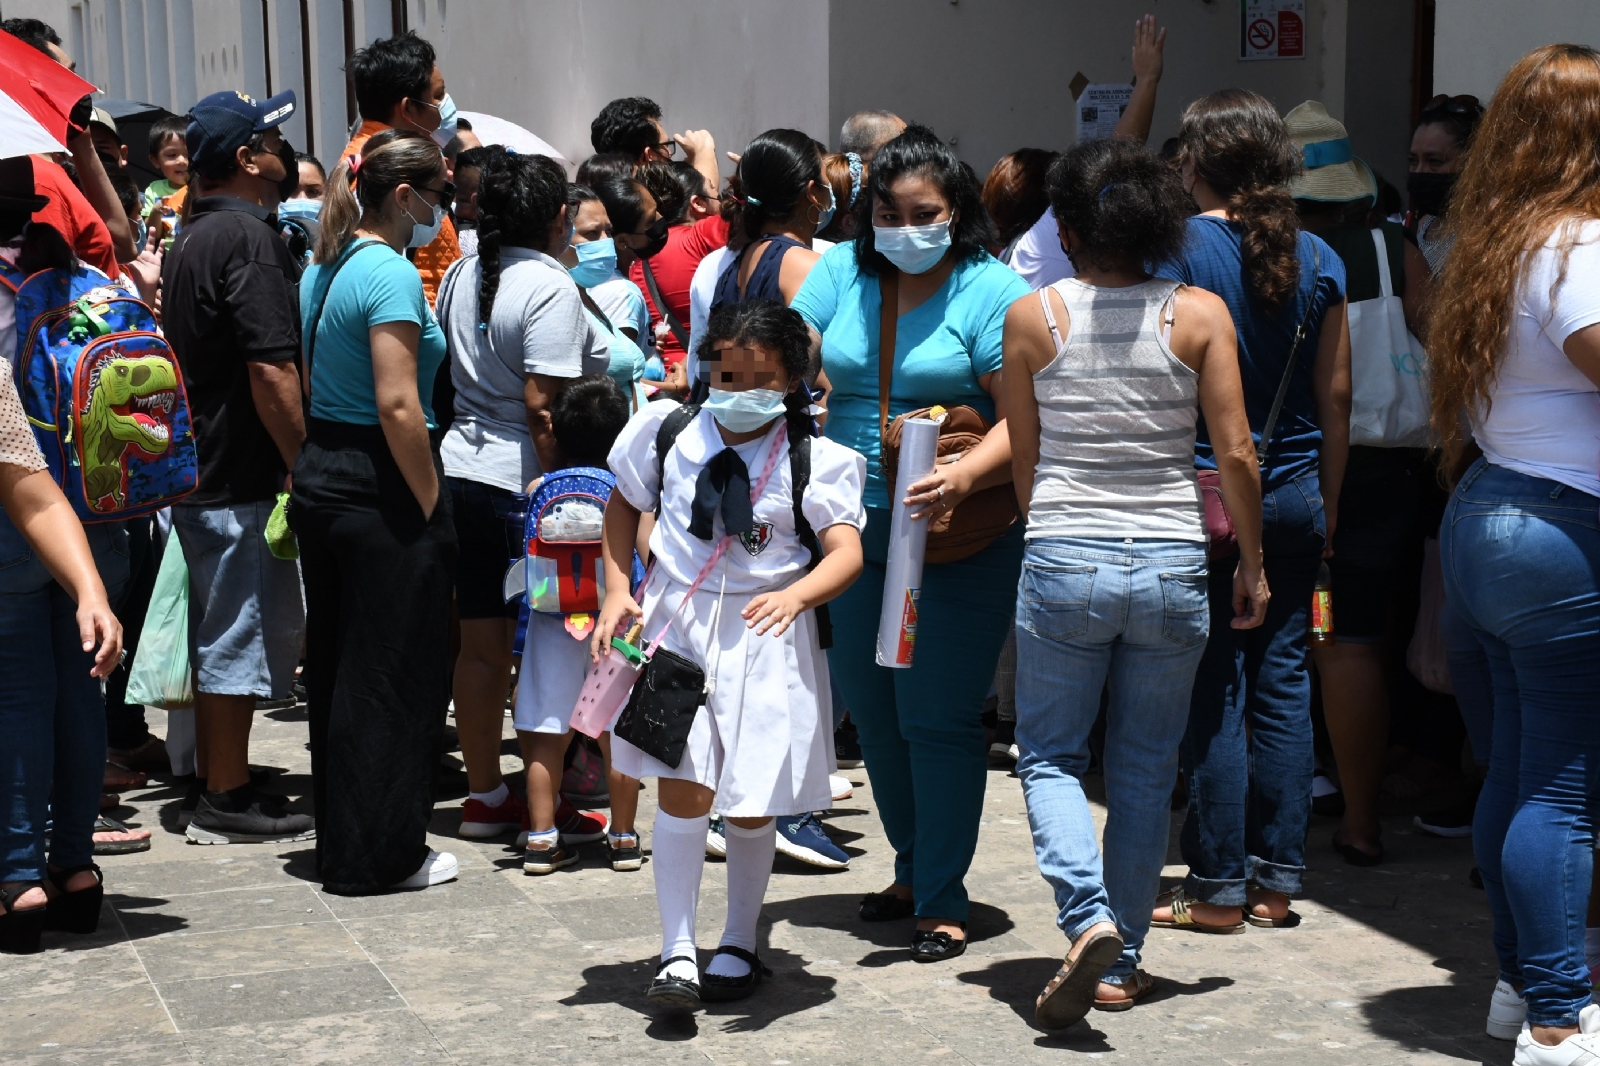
(1332, 172)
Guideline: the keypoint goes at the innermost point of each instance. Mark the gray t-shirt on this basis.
(538, 326)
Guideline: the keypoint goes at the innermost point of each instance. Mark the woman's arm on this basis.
(405, 427)
(840, 566)
(35, 505)
(537, 395)
(1027, 345)
(618, 534)
(986, 465)
(1419, 290)
(1149, 40)
(1331, 382)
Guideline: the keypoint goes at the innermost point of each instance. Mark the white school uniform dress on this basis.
(763, 742)
(554, 666)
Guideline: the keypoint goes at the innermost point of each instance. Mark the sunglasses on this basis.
(1453, 105)
(446, 194)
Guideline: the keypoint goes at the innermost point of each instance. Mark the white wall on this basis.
(1476, 41)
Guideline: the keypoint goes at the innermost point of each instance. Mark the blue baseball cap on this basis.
(224, 122)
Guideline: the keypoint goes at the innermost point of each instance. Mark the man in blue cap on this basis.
(231, 316)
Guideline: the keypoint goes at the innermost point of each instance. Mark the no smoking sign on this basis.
(1272, 29)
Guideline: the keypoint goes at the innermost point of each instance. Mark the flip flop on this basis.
(1070, 993)
(1142, 982)
(120, 778)
(1179, 901)
(103, 824)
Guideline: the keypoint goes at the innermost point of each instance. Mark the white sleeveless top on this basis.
(1117, 413)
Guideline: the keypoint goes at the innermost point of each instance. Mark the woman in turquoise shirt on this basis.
(377, 547)
(920, 728)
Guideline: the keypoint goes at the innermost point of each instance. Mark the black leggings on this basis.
(378, 576)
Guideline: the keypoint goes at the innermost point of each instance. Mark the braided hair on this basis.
(519, 197)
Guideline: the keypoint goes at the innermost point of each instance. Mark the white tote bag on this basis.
(1389, 405)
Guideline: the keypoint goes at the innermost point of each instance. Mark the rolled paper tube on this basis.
(908, 542)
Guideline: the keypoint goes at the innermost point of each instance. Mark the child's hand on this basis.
(618, 608)
(774, 609)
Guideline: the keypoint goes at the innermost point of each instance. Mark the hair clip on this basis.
(752, 201)
(1100, 199)
(355, 164)
(855, 176)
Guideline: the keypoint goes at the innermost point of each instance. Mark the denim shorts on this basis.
(247, 617)
(487, 546)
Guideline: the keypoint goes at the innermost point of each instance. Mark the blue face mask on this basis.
(140, 234)
(300, 209)
(597, 261)
(827, 212)
(913, 249)
(747, 411)
(447, 121)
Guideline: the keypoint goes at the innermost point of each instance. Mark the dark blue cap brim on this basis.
(276, 111)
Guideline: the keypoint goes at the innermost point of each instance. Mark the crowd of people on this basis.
(1183, 412)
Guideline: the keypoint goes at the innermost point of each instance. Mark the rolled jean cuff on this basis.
(1078, 928)
(1275, 878)
(1224, 893)
(1558, 1015)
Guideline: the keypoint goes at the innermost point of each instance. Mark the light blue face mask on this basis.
(300, 208)
(827, 212)
(913, 249)
(597, 261)
(140, 235)
(747, 411)
(447, 121)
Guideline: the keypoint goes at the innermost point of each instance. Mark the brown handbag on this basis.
(977, 521)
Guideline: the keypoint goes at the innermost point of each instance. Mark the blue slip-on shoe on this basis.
(801, 836)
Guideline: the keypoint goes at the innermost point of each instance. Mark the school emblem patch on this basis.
(756, 541)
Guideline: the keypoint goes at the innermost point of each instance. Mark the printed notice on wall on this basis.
(1099, 108)
(1272, 29)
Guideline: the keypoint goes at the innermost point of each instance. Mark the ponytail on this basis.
(362, 182)
(1270, 242)
(774, 172)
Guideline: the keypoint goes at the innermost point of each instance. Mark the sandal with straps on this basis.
(716, 988)
(19, 930)
(1182, 918)
(75, 912)
(1070, 993)
(1139, 986)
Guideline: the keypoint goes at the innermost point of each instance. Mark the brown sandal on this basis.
(1140, 984)
(1070, 993)
(1179, 901)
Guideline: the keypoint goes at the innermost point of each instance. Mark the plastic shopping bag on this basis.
(1390, 402)
(160, 673)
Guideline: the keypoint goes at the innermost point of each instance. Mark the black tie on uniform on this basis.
(723, 484)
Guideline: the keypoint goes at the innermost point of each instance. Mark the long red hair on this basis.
(1533, 165)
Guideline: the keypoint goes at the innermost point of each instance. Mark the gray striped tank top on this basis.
(1117, 414)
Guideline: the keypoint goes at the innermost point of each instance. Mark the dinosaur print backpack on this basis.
(103, 392)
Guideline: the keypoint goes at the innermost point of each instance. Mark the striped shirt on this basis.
(1117, 413)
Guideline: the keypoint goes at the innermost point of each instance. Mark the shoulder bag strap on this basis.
(673, 324)
(888, 316)
(1288, 370)
(322, 301)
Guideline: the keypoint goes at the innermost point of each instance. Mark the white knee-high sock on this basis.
(678, 856)
(750, 853)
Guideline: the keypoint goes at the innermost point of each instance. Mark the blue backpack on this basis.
(103, 392)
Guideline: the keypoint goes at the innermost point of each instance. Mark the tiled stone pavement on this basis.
(230, 955)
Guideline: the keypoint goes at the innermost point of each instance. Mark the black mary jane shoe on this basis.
(75, 912)
(675, 991)
(19, 930)
(930, 946)
(885, 907)
(718, 989)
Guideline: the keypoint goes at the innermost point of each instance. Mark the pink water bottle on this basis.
(610, 681)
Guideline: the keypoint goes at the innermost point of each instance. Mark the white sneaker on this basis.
(1507, 1012)
(1580, 1049)
(436, 869)
(841, 787)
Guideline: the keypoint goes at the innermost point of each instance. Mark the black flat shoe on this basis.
(1354, 855)
(675, 991)
(929, 946)
(885, 907)
(75, 912)
(718, 989)
(19, 930)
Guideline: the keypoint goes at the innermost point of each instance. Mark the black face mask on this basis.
(291, 172)
(658, 240)
(1430, 193)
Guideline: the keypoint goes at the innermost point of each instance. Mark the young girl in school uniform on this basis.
(761, 745)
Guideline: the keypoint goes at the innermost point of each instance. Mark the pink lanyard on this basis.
(721, 549)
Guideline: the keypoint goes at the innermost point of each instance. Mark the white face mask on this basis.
(913, 249)
(423, 233)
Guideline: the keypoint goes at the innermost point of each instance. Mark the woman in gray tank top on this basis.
(1105, 375)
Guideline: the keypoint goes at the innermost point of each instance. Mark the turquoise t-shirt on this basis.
(376, 285)
(941, 347)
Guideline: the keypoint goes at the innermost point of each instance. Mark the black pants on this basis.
(125, 723)
(378, 576)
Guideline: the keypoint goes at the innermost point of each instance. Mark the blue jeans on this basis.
(1131, 614)
(1247, 751)
(52, 713)
(1521, 559)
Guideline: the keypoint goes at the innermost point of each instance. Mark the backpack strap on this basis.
(674, 424)
(800, 477)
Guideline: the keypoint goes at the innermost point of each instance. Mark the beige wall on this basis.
(1476, 41)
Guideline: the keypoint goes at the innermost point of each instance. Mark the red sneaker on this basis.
(479, 821)
(579, 827)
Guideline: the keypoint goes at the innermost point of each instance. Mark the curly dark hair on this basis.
(389, 70)
(1241, 148)
(626, 126)
(1125, 205)
(920, 151)
(33, 33)
(519, 197)
(586, 417)
(771, 325)
(773, 173)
